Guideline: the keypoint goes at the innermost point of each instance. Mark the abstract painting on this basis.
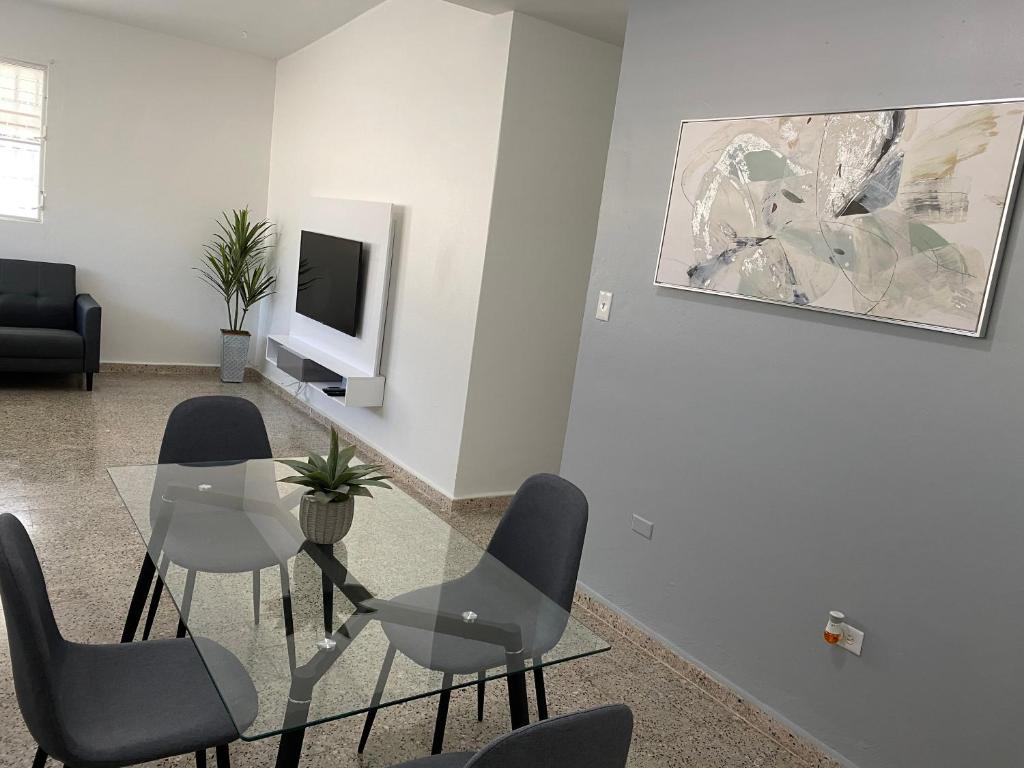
(896, 215)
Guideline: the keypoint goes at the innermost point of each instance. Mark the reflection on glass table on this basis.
(321, 650)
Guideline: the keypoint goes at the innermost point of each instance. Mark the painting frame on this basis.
(999, 247)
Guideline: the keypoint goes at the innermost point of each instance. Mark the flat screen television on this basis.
(330, 285)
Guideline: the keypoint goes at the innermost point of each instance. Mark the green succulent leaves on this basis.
(332, 479)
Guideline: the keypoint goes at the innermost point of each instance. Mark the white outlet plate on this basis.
(604, 306)
(644, 527)
(852, 639)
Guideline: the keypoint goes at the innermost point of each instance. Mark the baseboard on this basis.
(171, 369)
(801, 745)
(475, 504)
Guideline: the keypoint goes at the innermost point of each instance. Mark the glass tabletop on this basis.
(315, 627)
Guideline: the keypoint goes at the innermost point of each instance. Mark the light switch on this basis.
(644, 527)
(604, 305)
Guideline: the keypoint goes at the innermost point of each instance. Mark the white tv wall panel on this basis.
(373, 225)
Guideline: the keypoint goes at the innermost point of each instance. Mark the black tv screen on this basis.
(330, 281)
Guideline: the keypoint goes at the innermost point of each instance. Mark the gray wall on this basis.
(792, 461)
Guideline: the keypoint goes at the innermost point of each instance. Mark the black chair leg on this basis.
(378, 693)
(40, 759)
(88, 382)
(223, 756)
(481, 688)
(186, 602)
(542, 699)
(154, 603)
(256, 596)
(200, 758)
(442, 715)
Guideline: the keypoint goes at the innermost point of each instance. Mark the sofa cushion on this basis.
(37, 294)
(41, 343)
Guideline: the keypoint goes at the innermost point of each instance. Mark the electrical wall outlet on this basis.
(604, 306)
(852, 639)
(644, 527)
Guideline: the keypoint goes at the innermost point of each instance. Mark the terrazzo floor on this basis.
(56, 442)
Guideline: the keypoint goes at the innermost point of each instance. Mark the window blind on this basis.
(22, 136)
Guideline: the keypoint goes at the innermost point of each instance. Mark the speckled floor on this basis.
(56, 442)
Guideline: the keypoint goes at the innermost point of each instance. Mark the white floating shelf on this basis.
(362, 389)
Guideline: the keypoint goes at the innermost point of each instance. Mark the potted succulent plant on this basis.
(236, 264)
(326, 510)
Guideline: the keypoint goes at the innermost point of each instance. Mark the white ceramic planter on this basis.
(325, 523)
(234, 354)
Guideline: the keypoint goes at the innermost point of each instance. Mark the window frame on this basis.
(46, 69)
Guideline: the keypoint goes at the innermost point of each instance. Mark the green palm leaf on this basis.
(235, 263)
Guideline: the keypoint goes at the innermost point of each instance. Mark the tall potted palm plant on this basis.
(236, 264)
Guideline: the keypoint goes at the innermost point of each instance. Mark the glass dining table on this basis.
(314, 625)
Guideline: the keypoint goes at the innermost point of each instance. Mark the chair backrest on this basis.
(541, 535)
(37, 294)
(35, 642)
(217, 428)
(594, 738)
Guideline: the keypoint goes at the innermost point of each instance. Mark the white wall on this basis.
(559, 101)
(402, 105)
(150, 137)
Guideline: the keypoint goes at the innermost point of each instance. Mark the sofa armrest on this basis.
(87, 323)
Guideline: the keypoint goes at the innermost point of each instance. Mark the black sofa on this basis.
(46, 326)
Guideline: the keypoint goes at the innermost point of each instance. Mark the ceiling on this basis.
(275, 28)
(603, 19)
(270, 28)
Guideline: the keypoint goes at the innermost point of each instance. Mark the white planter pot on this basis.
(325, 523)
(234, 354)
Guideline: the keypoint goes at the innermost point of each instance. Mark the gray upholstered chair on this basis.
(103, 706)
(46, 326)
(594, 738)
(540, 538)
(228, 431)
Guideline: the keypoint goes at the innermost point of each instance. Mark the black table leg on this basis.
(131, 622)
(328, 588)
(300, 692)
(296, 715)
(289, 751)
(442, 714)
(289, 622)
(518, 706)
(154, 605)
